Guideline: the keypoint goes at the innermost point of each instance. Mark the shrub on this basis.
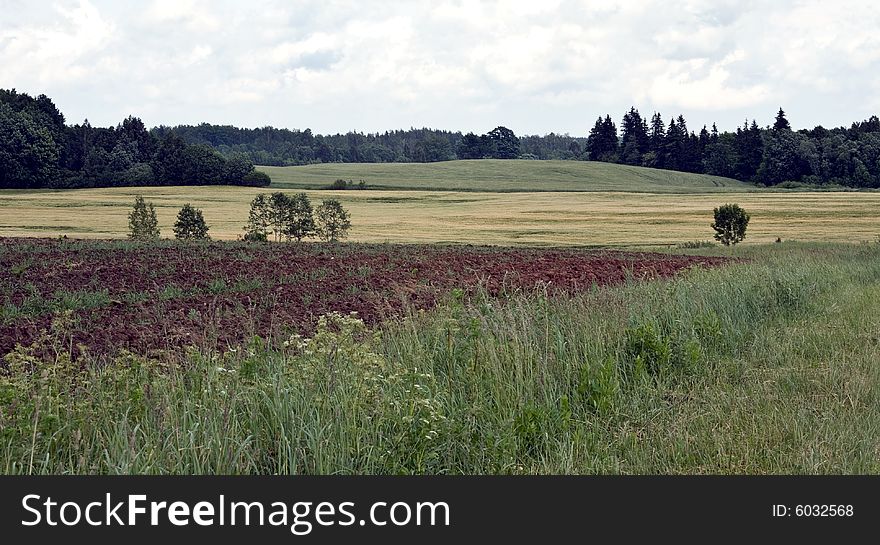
(332, 221)
(255, 237)
(647, 350)
(190, 224)
(339, 184)
(695, 244)
(730, 224)
(142, 222)
(256, 179)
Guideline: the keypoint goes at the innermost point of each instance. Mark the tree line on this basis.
(770, 155)
(38, 150)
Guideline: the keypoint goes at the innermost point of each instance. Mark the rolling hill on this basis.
(491, 175)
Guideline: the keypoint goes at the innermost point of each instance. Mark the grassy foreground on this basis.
(768, 365)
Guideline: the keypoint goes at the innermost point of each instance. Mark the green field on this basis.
(492, 175)
(636, 207)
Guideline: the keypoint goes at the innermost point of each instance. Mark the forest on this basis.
(38, 150)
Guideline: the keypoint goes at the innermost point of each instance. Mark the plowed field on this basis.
(152, 298)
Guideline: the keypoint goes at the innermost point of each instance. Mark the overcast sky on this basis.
(535, 66)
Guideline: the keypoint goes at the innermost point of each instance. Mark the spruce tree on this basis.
(781, 123)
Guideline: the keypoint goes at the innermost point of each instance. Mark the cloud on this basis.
(462, 64)
(192, 14)
(58, 51)
(694, 85)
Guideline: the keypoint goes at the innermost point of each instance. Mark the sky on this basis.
(535, 66)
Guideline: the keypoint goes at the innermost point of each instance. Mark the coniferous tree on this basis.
(781, 123)
(602, 142)
(634, 138)
(672, 147)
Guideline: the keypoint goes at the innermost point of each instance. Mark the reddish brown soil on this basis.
(163, 296)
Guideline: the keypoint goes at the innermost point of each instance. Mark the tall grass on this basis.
(765, 366)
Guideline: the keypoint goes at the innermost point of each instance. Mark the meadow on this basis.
(524, 203)
(494, 175)
(764, 365)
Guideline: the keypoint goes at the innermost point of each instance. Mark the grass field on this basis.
(768, 365)
(546, 218)
(491, 175)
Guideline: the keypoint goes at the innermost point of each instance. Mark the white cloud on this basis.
(683, 86)
(56, 51)
(193, 14)
(542, 66)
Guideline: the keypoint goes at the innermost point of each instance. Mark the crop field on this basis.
(611, 218)
(159, 298)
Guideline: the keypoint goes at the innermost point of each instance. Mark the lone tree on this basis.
(279, 212)
(730, 224)
(332, 221)
(259, 219)
(299, 221)
(142, 222)
(781, 123)
(190, 224)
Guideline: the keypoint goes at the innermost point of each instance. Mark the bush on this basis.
(256, 179)
(646, 350)
(255, 237)
(340, 184)
(332, 221)
(142, 222)
(190, 224)
(695, 244)
(730, 224)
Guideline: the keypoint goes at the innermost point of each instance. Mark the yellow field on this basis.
(545, 218)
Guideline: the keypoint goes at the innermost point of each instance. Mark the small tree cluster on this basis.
(143, 225)
(287, 217)
(730, 224)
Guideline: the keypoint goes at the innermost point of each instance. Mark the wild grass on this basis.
(764, 366)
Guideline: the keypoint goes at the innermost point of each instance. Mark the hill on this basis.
(494, 175)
